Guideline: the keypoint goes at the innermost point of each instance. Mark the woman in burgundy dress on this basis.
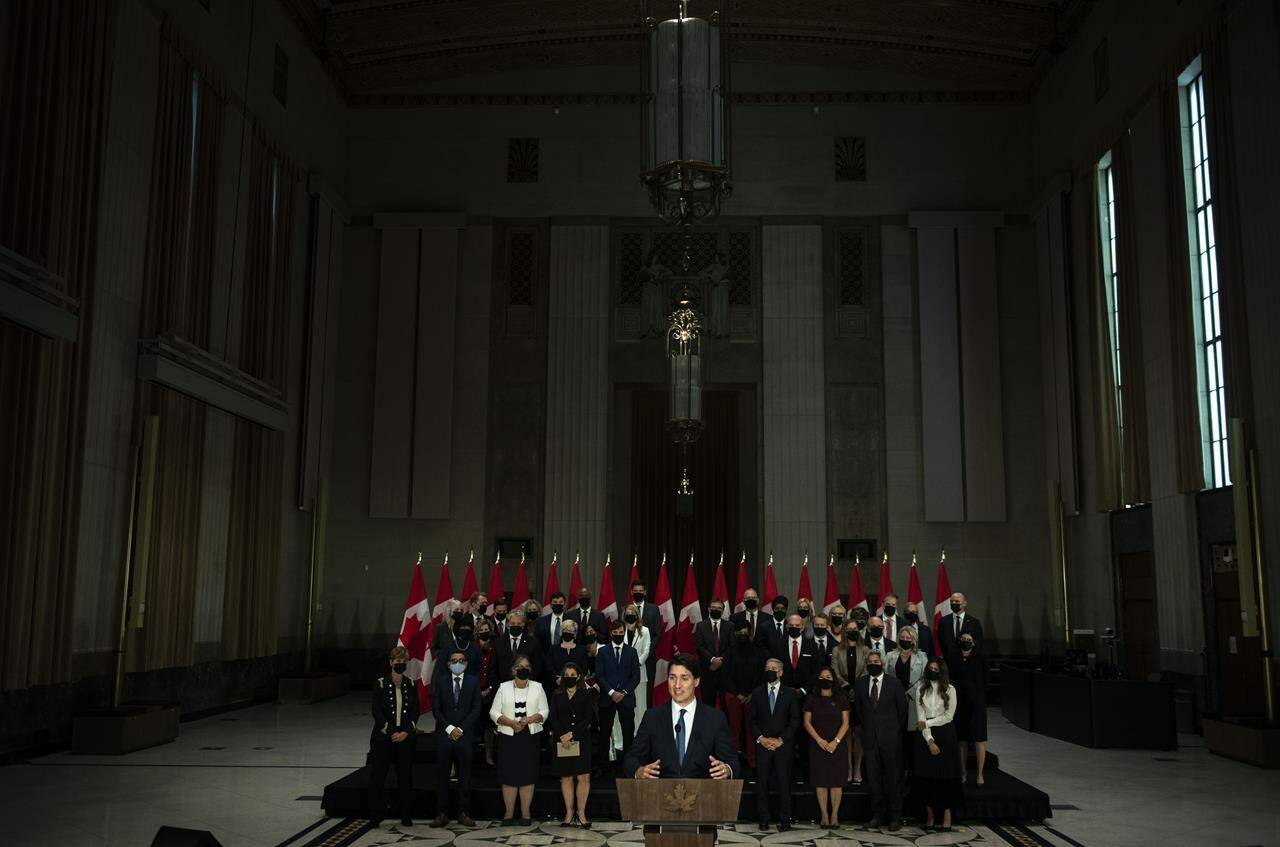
(826, 719)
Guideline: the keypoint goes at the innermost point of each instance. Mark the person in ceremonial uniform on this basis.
(572, 713)
(519, 709)
(395, 717)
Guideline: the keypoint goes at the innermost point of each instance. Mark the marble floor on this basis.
(254, 777)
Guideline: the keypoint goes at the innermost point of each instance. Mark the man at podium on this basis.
(683, 738)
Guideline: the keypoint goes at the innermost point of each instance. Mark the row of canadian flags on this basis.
(421, 616)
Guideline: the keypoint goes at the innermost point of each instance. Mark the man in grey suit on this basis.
(650, 619)
(880, 704)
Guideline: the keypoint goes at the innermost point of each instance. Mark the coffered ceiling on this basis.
(375, 47)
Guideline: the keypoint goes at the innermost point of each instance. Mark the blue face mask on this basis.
(458, 667)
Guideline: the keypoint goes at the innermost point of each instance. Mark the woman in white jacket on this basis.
(638, 637)
(936, 754)
(519, 709)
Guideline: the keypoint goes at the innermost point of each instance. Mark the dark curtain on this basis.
(655, 474)
(253, 543)
(1135, 449)
(54, 96)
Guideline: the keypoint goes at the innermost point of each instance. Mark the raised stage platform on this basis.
(1003, 797)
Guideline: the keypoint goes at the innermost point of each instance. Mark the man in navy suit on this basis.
(617, 674)
(587, 616)
(682, 738)
(880, 707)
(455, 704)
(772, 722)
(650, 619)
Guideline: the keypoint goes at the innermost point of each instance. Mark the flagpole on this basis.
(318, 511)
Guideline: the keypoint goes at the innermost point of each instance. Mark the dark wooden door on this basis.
(1141, 638)
(1239, 658)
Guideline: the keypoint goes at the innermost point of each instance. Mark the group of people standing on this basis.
(507, 674)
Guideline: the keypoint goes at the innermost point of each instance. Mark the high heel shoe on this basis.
(580, 822)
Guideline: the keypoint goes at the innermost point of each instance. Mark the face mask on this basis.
(779, 614)
(837, 622)
(770, 676)
(890, 611)
(955, 608)
(751, 605)
(819, 632)
(744, 638)
(852, 635)
(566, 637)
(637, 596)
(876, 631)
(584, 602)
(464, 632)
(457, 616)
(482, 608)
(716, 613)
(570, 681)
(631, 619)
(824, 685)
(522, 673)
(932, 675)
(399, 667)
(484, 636)
(911, 617)
(500, 614)
(458, 667)
(906, 645)
(966, 646)
(589, 638)
(557, 608)
(803, 612)
(515, 628)
(794, 631)
(875, 670)
(618, 637)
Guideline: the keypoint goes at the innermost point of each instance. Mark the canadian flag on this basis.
(469, 584)
(942, 602)
(720, 591)
(770, 584)
(857, 594)
(520, 594)
(635, 572)
(575, 579)
(496, 588)
(552, 586)
(914, 594)
(690, 613)
(886, 583)
(665, 645)
(415, 634)
(744, 582)
(831, 595)
(606, 599)
(444, 594)
(805, 590)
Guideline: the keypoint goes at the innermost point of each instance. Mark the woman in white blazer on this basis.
(519, 709)
(638, 637)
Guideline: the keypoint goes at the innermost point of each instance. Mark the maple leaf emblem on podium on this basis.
(680, 800)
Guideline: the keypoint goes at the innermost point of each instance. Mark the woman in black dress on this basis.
(935, 752)
(968, 671)
(568, 650)
(826, 719)
(572, 713)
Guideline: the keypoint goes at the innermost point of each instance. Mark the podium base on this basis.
(680, 835)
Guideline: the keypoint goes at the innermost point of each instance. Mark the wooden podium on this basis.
(679, 812)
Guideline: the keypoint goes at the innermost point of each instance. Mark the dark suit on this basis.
(594, 618)
(743, 670)
(824, 649)
(742, 620)
(924, 637)
(382, 749)
(468, 648)
(886, 646)
(504, 656)
(656, 741)
(881, 729)
(557, 656)
(800, 677)
(464, 714)
(711, 644)
(774, 765)
(542, 630)
(892, 625)
(946, 634)
(614, 674)
(651, 619)
(770, 637)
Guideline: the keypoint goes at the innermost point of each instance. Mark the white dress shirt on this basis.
(932, 710)
(878, 644)
(688, 718)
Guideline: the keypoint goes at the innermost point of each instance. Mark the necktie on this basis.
(957, 622)
(773, 697)
(680, 737)
(822, 644)
(889, 630)
(555, 630)
(715, 635)
(515, 645)
(457, 689)
(795, 653)
(617, 653)
(875, 692)
(752, 618)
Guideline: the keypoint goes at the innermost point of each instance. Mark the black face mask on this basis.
(631, 619)
(522, 673)
(465, 632)
(584, 602)
(715, 614)
(744, 638)
(794, 631)
(557, 608)
(932, 674)
(906, 645)
(399, 667)
(837, 622)
(890, 611)
(876, 631)
(589, 638)
(457, 616)
(484, 636)
(566, 637)
(770, 676)
(482, 608)
(803, 612)
(966, 646)
(779, 614)
(515, 628)
(618, 637)
(852, 635)
(911, 617)
(569, 681)
(955, 608)
(819, 632)
(751, 605)
(875, 670)
(637, 596)
(824, 685)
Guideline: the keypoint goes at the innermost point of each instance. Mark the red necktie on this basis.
(795, 653)
(715, 635)
(875, 692)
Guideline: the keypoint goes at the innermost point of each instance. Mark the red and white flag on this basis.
(805, 590)
(886, 583)
(575, 580)
(831, 594)
(496, 588)
(690, 613)
(720, 589)
(520, 594)
(770, 584)
(665, 645)
(942, 602)
(444, 595)
(635, 572)
(914, 594)
(857, 594)
(552, 586)
(469, 584)
(415, 635)
(605, 599)
(744, 582)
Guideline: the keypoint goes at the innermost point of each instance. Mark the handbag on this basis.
(572, 751)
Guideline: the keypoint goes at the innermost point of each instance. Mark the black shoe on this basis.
(466, 820)
(783, 826)
(375, 822)
(406, 822)
(764, 826)
(876, 821)
(508, 821)
(895, 825)
(526, 821)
